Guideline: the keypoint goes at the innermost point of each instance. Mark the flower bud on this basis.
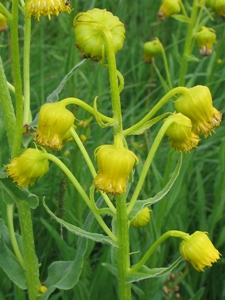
(180, 133)
(114, 166)
(197, 106)
(168, 8)
(199, 250)
(142, 218)
(54, 123)
(205, 38)
(151, 49)
(3, 23)
(38, 8)
(32, 164)
(218, 6)
(91, 29)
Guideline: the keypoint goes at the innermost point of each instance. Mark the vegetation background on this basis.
(196, 201)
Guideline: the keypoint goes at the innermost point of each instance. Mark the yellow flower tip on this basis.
(168, 8)
(197, 106)
(3, 23)
(114, 166)
(151, 50)
(92, 28)
(142, 218)
(199, 250)
(29, 166)
(38, 8)
(54, 123)
(43, 289)
(180, 133)
(205, 38)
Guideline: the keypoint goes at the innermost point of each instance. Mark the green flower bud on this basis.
(168, 8)
(151, 49)
(142, 218)
(91, 30)
(205, 38)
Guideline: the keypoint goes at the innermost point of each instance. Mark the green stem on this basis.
(82, 193)
(26, 70)
(154, 110)
(123, 252)
(167, 69)
(174, 233)
(90, 166)
(5, 12)
(17, 79)
(30, 259)
(188, 40)
(147, 163)
(14, 243)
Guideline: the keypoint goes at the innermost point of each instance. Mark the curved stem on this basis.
(173, 233)
(82, 193)
(167, 69)
(148, 162)
(154, 110)
(10, 208)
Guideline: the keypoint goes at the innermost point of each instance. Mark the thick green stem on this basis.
(123, 257)
(174, 233)
(188, 40)
(30, 260)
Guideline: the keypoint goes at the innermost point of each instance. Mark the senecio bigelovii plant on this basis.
(99, 36)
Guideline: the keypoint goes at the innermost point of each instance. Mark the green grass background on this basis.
(196, 201)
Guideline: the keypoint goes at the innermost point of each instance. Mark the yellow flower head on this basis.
(53, 124)
(114, 166)
(218, 6)
(180, 133)
(142, 218)
(205, 38)
(199, 250)
(197, 106)
(151, 49)
(32, 164)
(91, 29)
(3, 23)
(38, 8)
(168, 8)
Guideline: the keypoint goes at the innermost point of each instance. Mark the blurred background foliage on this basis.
(197, 199)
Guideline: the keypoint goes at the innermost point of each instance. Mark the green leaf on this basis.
(11, 193)
(191, 57)
(181, 18)
(97, 237)
(8, 261)
(140, 204)
(144, 272)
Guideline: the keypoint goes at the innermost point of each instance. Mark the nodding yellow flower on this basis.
(218, 6)
(198, 107)
(205, 38)
(114, 166)
(180, 133)
(142, 218)
(91, 28)
(3, 23)
(54, 123)
(151, 49)
(38, 8)
(199, 250)
(168, 8)
(32, 164)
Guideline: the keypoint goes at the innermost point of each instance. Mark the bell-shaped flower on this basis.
(114, 166)
(31, 165)
(205, 38)
(168, 8)
(199, 250)
(54, 122)
(197, 106)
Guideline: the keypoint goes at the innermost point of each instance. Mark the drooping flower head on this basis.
(199, 250)
(38, 8)
(151, 49)
(205, 38)
(114, 166)
(91, 28)
(180, 133)
(197, 106)
(3, 23)
(54, 122)
(218, 6)
(142, 218)
(31, 165)
(168, 8)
